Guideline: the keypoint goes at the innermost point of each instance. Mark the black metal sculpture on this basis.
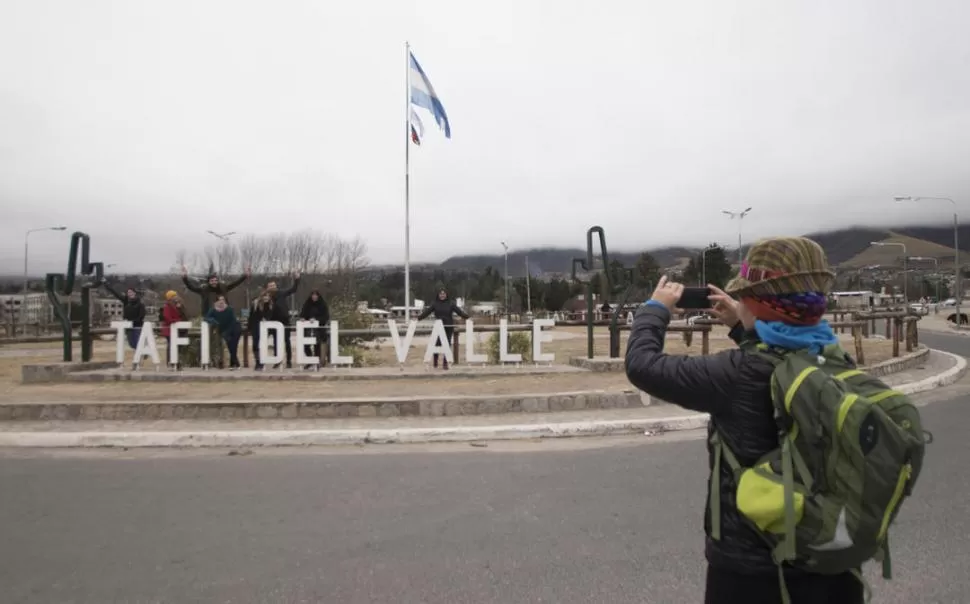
(57, 284)
(611, 277)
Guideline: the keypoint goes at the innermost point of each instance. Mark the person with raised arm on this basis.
(208, 293)
(133, 310)
(444, 310)
(281, 299)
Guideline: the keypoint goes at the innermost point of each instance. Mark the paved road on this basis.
(564, 522)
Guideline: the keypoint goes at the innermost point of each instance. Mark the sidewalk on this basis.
(940, 370)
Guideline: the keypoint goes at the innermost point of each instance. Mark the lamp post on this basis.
(506, 248)
(23, 303)
(957, 286)
(740, 216)
(528, 286)
(905, 278)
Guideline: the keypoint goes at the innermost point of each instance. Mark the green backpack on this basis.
(850, 451)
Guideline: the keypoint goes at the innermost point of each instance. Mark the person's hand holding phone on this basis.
(668, 293)
(724, 307)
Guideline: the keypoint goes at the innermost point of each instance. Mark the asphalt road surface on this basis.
(577, 521)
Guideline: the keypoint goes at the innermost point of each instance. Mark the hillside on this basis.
(848, 248)
(891, 255)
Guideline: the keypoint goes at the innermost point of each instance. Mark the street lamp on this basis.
(223, 236)
(958, 289)
(740, 216)
(23, 303)
(905, 279)
(506, 248)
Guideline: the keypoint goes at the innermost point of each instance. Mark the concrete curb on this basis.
(302, 438)
(950, 376)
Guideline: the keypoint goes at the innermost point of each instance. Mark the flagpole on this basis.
(407, 182)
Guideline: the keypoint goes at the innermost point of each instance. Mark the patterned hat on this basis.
(780, 266)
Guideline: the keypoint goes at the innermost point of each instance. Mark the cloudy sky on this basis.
(146, 123)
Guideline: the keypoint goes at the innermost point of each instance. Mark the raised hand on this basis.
(723, 306)
(668, 293)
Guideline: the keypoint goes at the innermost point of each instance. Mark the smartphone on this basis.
(695, 298)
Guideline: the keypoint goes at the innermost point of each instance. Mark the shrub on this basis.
(519, 342)
(344, 311)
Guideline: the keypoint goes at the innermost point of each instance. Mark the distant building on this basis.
(35, 306)
(112, 309)
(854, 300)
(485, 308)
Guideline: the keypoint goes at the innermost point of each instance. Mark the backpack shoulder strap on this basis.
(722, 453)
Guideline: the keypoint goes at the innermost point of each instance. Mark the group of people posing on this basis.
(271, 304)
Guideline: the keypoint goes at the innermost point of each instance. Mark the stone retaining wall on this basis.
(293, 409)
(907, 361)
(59, 372)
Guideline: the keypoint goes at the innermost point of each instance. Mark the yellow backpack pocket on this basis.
(761, 499)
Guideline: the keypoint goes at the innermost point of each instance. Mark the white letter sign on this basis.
(120, 327)
(205, 354)
(470, 355)
(176, 339)
(264, 328)
(146, 344)
(401, 349)
(335, 358)
(303, 340)
(538, 337)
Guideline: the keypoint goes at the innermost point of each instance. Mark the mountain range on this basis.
(847, 249)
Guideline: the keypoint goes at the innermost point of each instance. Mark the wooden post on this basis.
(860, 355)
(889, 328)
(706, 341)
(454, 345)
(895, 335)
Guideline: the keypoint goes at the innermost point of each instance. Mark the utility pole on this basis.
(528, 287)
(506, 248)
(23, 302)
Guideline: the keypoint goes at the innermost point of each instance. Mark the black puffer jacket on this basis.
(133, 309)
(734, 387)
(444, 311)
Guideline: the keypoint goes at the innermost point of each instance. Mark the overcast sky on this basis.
(146, 123)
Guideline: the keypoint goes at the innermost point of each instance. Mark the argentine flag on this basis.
(423, 95)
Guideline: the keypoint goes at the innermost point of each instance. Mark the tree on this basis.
(646, 271)
(558, 292)
(712, 264)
